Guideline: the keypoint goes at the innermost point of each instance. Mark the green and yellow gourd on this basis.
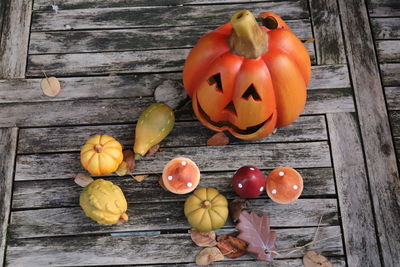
(154, 124)
(104, 202)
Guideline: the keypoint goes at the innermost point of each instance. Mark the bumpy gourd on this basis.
(104, 202)
(101, 155)
(154, 124)
(206, 209)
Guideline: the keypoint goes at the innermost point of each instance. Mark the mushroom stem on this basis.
(206, 204)
(247, 39)
(98, 148)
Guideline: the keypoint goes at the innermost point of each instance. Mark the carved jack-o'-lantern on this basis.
(248, 79)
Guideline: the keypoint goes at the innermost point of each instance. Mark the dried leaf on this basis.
(311, 40)
(50, 86)
(153, 150)
(254, 229)
(313, 259)
(208, 255)
(232, 247)
(83, 179)
(203, 239)
(161, 183)
(140, 178)
(128, 164)
(235, 208)
(218, 139)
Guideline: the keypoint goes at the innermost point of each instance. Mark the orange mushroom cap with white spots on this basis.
(284, 185)
(181, 176)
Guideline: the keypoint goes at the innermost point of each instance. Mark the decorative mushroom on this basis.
(181, 176)
(248, 181)
(284, 185)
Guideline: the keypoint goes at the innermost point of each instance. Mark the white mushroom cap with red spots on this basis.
(284, 185)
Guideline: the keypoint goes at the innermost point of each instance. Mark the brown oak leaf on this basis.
(208, 255)
(203, 239)
(232, 247)
(218, 139)
(235, 208)
(254, 229)
(153, 150)
(314, 259)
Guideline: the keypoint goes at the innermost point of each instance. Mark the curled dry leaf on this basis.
(235, 208)
(82, 179)
(313, 259)
(311, 40)
(50, 86)
(203, 239)
(161, 183)
(140, 178)
(128, 164)
(153, 150)
(218, 139)
(232, 247)
(208, 255)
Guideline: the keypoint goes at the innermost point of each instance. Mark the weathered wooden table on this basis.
(111, 55)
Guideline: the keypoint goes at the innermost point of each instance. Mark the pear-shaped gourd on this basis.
(104, 202)
(154, 124)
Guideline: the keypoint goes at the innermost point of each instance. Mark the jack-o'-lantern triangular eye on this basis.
(251, 91)
(216, 79)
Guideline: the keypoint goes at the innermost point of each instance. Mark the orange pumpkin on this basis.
(248, 79)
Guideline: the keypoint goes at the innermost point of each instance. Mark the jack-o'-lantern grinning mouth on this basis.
(220, 124)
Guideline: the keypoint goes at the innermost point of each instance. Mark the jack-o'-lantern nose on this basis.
(231, 107)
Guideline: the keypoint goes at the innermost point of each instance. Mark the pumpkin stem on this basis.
(247, 39)
(98, 148)
(206, 204)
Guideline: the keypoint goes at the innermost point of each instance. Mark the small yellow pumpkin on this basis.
(206, 209)
(104, 202)
(101, 155)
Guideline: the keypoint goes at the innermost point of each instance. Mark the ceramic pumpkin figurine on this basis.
(101, 155)
(248, 79)
(206, 209)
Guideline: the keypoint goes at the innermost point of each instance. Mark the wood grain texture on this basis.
(113, 62)
(14, 39)
(390, 74)
(388, 51)
(327, 32)
(8, 146)
(318, 182)
(131, 17)
(137, 85)
(3, 6)
(393, 97)
(383, 8)
(386, 28)
(106, 111)
(353, 191)
(224, 158)
(132, 39)
(162, 216)
(395, 119)
(375, 130)
(161, 249)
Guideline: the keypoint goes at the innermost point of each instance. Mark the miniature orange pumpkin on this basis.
(248, 79)
(101, 155)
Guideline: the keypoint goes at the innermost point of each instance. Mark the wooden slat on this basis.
(65, 193)
(388, 51)
(390, 74)
(375, 129)
(15, 38)
(105, 111)
(39, 140)
(8, 147)
(327, 32)
(132, 39)
(161, 216)
(353, 192)
(113, 62)
(393, 97)
(28, 90)
(230, 157)
(162, 249)
(129, 17)
(395, 120)
(386, 28)
(383, 8)
(3, 7)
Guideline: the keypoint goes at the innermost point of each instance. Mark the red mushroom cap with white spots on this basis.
(181, 176)
(284, 185)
